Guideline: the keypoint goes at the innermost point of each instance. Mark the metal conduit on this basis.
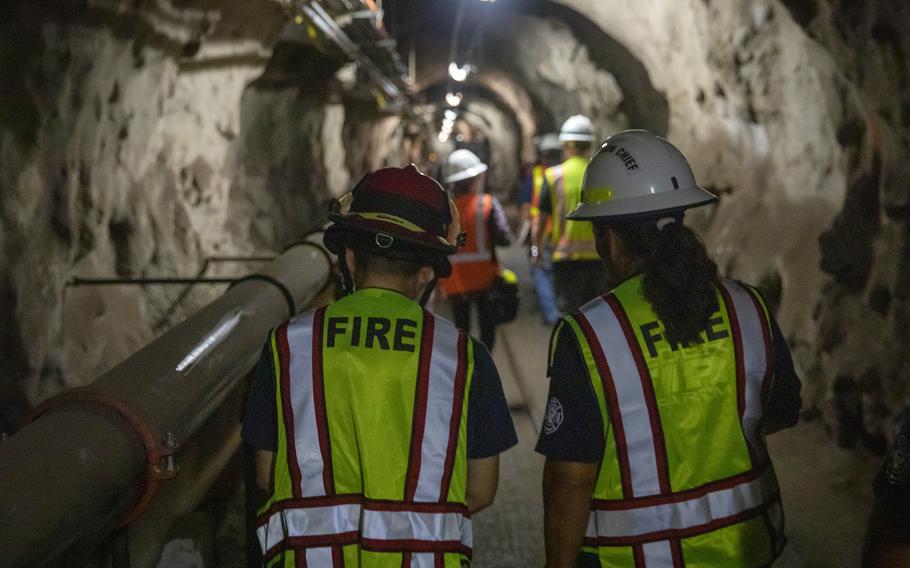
(68, 478)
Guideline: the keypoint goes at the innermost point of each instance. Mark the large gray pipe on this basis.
(67, 479)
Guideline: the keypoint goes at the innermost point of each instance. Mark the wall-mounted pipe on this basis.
(68, 478)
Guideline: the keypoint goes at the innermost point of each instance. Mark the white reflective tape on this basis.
(270, 534)
(755, 362)
(423, 560)
(715, 506)
(319, 557)
(633, 407)
(437, 425)
(306, 434)
(479, 256)
(658, 554)
(309, 522)
(414, 526)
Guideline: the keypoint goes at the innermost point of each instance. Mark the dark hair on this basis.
(367, 262)
(680, 279)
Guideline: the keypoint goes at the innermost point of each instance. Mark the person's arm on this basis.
(260, 426)
(784, 400)
(539, 228)
(483, 480)
(265, 466)
(499, 225)
(490, 430)
(567, 490)
(572, 438)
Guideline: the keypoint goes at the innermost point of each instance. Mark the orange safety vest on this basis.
(474, 266)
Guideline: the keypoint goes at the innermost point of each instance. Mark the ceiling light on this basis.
(459, 73)
(454, 99)
(451, 114)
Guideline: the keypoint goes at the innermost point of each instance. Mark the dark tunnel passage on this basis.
(197, 139)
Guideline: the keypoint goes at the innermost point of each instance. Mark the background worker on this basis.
(475, 266)
(888, 534)
(662, 390)
(549, 153)
(372, 412)
(578, 273)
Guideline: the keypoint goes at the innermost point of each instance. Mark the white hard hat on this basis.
(462, 164)
(637, 174)
(577, 128)
(548, 142)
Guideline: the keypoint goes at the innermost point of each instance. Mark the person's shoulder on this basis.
(481, 354)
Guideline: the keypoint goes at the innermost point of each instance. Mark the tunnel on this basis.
(154, 153)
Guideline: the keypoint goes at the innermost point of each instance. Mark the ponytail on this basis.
(679, 278)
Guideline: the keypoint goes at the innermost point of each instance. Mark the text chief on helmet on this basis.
(635, 175)
(397, 213)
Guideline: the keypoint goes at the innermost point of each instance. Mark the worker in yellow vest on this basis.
(475, 266)
(663, 389)
(377, 425)
(578, 273)
(549, 153)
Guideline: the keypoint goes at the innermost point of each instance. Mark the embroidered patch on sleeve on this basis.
(554, 417)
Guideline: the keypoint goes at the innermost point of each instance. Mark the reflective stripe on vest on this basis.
(314, 521)
(572, 240)
(650, 517)
(376, 525)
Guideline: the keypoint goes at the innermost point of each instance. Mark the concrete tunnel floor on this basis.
(827, 491)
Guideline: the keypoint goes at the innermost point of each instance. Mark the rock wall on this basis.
(555, 67)
(795, 115)
(120, 170)
(138, 139)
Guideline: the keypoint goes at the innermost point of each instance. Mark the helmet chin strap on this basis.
(428, 291)
(347, 281)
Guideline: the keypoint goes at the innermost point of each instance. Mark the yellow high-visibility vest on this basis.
(572, 240)
(686, 479)
(371, 464)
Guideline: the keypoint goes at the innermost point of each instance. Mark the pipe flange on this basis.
(159, 460)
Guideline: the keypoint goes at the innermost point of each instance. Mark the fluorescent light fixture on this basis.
(454, 99)
(459, 73)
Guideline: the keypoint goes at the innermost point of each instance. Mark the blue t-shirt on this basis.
(490, 428)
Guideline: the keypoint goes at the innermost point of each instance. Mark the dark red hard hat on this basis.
(398, 213)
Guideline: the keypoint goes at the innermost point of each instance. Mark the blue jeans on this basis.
(546, 298)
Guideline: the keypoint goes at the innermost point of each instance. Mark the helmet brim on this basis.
(572, 137)
(425, 240)
(643, 205)
(466, 174)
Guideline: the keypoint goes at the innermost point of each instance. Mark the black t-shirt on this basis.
(892, 484)
(490, 428)
(573, 427)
